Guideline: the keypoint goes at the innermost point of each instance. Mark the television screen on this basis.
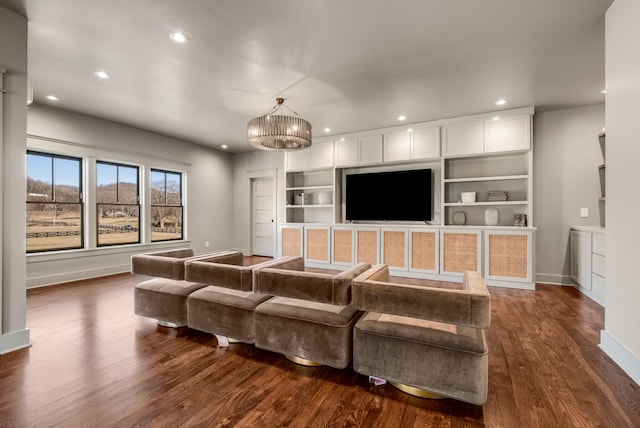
(389, 196)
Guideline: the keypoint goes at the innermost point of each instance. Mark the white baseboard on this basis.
(620, 355)
(551, 278)
(15, 340)
(42, 281)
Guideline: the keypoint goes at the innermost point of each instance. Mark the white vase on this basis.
(491, 217)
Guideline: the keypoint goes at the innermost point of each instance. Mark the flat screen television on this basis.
(389, 196)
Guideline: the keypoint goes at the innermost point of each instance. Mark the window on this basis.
(166, 205)
(54, 202)
(118, 204)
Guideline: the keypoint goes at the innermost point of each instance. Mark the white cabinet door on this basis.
(297, 160)
(463, 139)
(425, 143)
(346, 151)
(370, 149)
(581, 258)
(321, 155)
(508, 134)
(397, 146)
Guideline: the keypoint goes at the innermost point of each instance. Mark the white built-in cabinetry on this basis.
(482, 153)
(588, 261)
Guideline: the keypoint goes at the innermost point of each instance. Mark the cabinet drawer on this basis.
(598, 265)
(598, 244)
(597, 285)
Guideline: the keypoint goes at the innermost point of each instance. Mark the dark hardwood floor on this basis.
(94, 363)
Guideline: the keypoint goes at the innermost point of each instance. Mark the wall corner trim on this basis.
(14, 340)
(620, 355)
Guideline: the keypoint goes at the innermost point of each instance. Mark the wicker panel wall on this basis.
(291, 238)
(367, 250)
(460, 252)
(343, 246)
(318, 244)
(394, 248)
(423, 250)
(508, 256)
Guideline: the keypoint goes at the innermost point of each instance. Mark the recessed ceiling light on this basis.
(495, 118)
(501, 102)
(604, 91)
(402, 117)
(327, 129)
(52, 98)
(178, 37)
(102, 74)
(224, 146)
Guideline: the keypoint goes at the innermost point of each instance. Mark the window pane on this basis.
(173, 189)
(118, 224)
(107, 179)
(39, 175)
(66, 180)
(157, 188)
(127, 185)
(166, 223)
(54, 226)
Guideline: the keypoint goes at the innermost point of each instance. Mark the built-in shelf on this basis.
(494, 178)
(311, 188)
(310, 206)
(476, 204)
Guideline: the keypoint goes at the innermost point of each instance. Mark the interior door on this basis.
(263, 216)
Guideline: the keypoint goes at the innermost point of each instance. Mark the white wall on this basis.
(209, 196)
(13, 57)
(245, 166)
(621, 336)
(565, 170)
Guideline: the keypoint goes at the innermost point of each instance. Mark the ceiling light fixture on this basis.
(275, 131)
(604, 91)
(178, 37)
(102, 74)
(327, 129)
(501, 102)
(402, 117)
(52, 98)
(224, 146)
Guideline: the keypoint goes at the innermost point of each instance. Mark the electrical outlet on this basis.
(206, 244)
(584, 212)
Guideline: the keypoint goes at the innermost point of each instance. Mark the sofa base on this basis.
(417, 392)
(303, 361)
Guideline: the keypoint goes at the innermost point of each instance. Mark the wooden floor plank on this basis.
(94, 363)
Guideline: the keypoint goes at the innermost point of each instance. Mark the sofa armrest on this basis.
(165, 264)
(313, 286)
(466, 307)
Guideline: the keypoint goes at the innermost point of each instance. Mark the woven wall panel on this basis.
(394, 248)
(291, 242)
(343, 246)
(508, 256)
(367, 246)
(423, 250)
(460, 252)
(318, 244)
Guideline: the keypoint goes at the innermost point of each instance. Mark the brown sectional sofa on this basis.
(419, 338)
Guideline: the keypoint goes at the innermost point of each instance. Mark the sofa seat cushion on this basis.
(164, 299)
(423, 331)
(224, 311)
(314, 331)
(307, 310)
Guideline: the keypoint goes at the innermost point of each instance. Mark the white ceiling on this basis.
(350, 65)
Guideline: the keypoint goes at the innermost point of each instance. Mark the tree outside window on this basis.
(166, 205)
(54, 202)
(118, 204)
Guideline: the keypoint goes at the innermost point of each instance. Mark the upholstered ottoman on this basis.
(225, 307)
(423, 339)
(311, 318)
